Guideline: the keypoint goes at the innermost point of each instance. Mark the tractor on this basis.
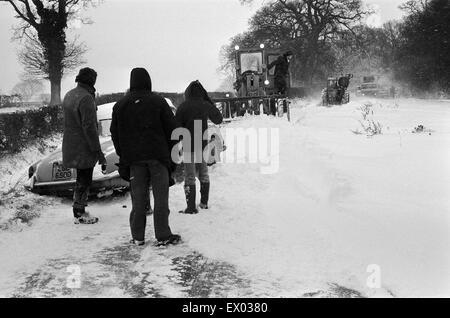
(336, 91)
(254, 85)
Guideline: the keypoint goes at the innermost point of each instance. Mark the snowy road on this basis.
(341, 204)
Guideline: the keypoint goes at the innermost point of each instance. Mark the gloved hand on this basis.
(101, 158)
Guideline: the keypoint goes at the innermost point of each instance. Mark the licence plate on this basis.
(60, 172)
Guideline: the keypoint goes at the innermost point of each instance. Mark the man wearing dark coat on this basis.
(197, 107)
(280, 76)
(81, 146)
(141, 129)
(281, 71)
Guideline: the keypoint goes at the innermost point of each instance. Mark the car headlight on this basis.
(31, 171)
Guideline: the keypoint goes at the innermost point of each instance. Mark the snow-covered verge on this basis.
(342, 208)
(15, 202)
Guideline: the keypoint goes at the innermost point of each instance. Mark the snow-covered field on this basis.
(344, 210)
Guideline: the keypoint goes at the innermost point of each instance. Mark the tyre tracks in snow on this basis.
(42, 256)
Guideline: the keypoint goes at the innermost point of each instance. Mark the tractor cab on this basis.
(332, 83)
(252, 76)
(250, 73)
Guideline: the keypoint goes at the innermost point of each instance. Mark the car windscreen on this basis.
(251, 62)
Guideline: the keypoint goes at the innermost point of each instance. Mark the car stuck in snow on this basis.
(49, 176)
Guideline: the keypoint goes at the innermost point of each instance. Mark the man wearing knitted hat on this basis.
(81, 146)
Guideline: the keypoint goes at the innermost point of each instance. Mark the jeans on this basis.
(81, 191)
(192, 170)
(141, 175)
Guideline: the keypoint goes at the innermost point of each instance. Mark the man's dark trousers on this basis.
(81, 191)
(158, 175)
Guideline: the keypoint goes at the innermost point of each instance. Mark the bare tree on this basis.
(27, 88)
(414, 7)
(307, 27)
(32, 57)
(42, 29)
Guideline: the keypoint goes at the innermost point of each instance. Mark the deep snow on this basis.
(340, 202)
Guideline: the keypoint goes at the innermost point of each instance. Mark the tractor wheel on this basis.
(346, 98)
(324, 99)
(331, 100)
(288, 111)
(280, 108)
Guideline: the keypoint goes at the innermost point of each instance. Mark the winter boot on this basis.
(204, 195)
(172, 239)
(85, 218)
(137, 243)
(189, 191)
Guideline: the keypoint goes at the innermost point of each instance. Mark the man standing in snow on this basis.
(81, 146)
(281, 65)
(196, 107)
(141, 129)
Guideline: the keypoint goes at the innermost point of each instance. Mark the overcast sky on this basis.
(176, 40)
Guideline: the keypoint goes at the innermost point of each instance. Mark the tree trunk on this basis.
(55, 91)
(55, 51)
(53, 39)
